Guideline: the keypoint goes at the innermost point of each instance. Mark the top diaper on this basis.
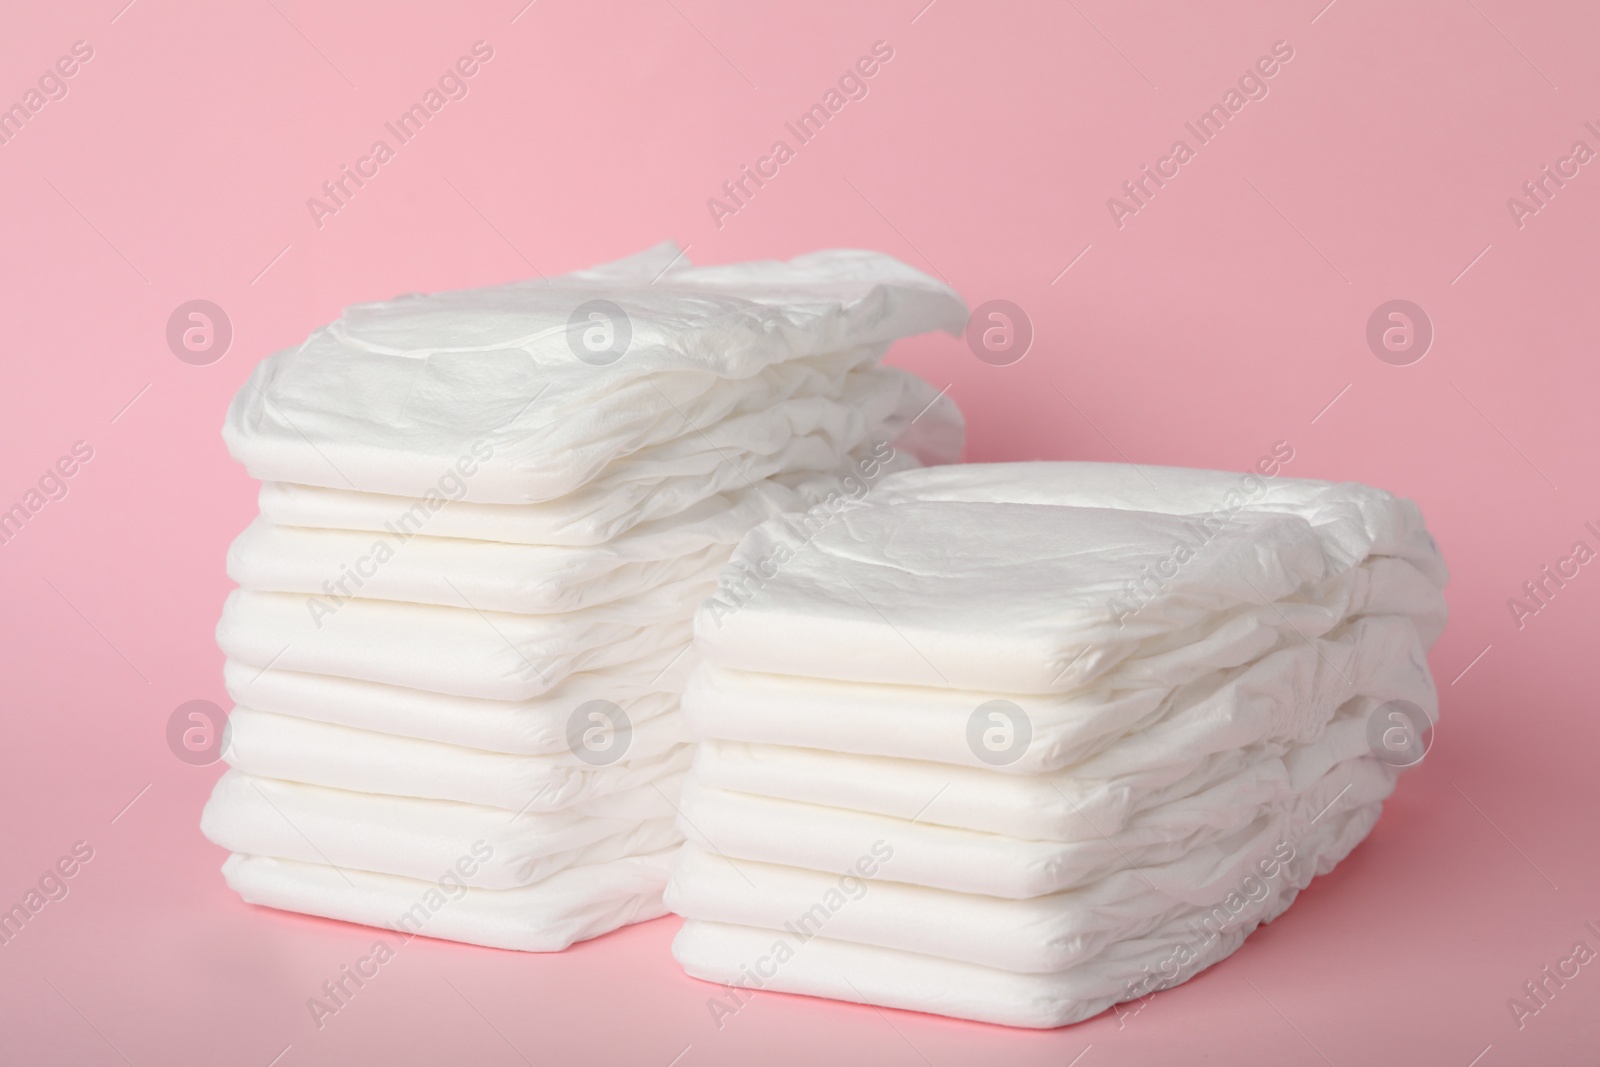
(1048, 577)
(524, 392)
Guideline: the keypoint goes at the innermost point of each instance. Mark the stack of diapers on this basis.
(1019, 742)
(465, 612)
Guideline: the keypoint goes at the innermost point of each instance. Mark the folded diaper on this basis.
(269, 745)
(1352, 521)
(463, 651)
(926, 428)
(330, 566)
(572, 905)
(418, 838)
(1187, 851)
(642, 690)
(559, 523)
(893, 576)
(1018, 742)
(1215, 704)
(885, 594)
(536, 388)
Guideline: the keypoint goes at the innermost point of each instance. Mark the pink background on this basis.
(1223, 317)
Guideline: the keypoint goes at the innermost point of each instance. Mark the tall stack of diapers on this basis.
(487, 517)
(1020, 742)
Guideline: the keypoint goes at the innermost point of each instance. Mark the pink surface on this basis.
(1229, 312)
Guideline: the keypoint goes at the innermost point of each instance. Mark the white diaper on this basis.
(572, 905)
(418, 838)
(269, 745)
(537, 726)
(461, 650)
(391, 397)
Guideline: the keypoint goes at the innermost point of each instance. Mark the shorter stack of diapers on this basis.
(464, 615)
(1019, 742)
